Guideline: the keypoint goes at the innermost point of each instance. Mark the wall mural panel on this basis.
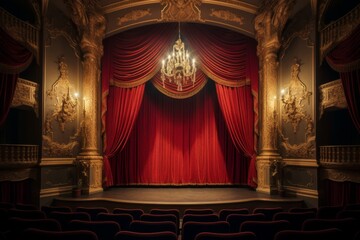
(64, 110)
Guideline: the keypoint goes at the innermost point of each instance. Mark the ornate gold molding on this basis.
(18, 174)
(56, 161)
(340, 156)
(181, 11)
(339, 30)
(67, 31)
(26, 93)
(133, 16)
(332, 95)
(18, 156)
(303, 27)
(302, 150)
(227, 16)
(55, 191)
(300, 162)
(89, 172)
(302, 191)
(293, 100)
(340, 175)
(66, 100)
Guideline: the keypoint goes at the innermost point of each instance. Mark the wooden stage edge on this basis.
(216, 198)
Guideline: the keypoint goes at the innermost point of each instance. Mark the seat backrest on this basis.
(128, 235)
(200, 218)
(103, 229)
(39, 234)
(6, 205)
(16, 224)
(161, 211)
(227, 236)
(64, 218)
(328, 212)
(349, 214)
(264, 230)
(295, 219)
(235, 220)
(30, 214)
(49, 209)
(92, 211)
(328, 234)
(4, 216)
(199, 211)
(23, 206)
(355, 206)
(268, 212)
(123, 219)
(348, 225)
(191, 229)
(134, 212)
(224, 213)
(297, 209)
(144, 226)
(158, 218)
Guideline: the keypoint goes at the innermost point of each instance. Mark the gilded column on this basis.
(269, 24)
(90, 24)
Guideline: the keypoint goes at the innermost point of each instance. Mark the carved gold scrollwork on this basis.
(133, 16)
(294, 113)
(26, 93)
(293, 100)
(227, 16)
(332, 95)
(181, 10)
(65, 110)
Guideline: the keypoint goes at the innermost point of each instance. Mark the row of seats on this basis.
(195, 221)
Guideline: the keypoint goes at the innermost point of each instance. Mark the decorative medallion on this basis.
(181, 11)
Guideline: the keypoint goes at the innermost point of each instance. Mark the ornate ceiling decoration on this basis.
(235, 15)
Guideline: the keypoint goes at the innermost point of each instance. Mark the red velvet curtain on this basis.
(341, 193)
(134, 57)
(125, 104)
(236, 105)
(14, 58)
(345, 58)
(178, 142)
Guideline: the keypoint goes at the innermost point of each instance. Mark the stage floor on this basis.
(180, 197)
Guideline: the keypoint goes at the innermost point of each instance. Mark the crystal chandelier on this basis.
(177, 66)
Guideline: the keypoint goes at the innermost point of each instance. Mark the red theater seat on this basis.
(144, 226)
(191, 229)
(123, 219)
(224, 213)
(38, 234)
(92, 211)
(264, 230)
(127, 235)
(235, 220)
(104, 229)
(327, 234)
(295, 219)
(227, 236)
(135, 213)
(268, 212)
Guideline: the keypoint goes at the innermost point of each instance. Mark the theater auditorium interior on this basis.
(180, 119)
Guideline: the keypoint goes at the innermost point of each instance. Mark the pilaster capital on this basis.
(269, 24)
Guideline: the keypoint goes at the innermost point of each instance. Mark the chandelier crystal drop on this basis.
(178, 67)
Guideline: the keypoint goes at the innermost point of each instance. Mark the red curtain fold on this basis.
(14, 58)
(125, 104)
(345, 58)
(177, 142)
(237, 106)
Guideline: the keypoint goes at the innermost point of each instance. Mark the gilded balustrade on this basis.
(340, 156)
(18, 156)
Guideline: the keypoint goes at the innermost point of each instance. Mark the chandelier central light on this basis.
(177, 67)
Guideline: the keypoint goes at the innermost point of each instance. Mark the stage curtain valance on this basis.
(134, 57)
(14, 58)
(345, 58)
